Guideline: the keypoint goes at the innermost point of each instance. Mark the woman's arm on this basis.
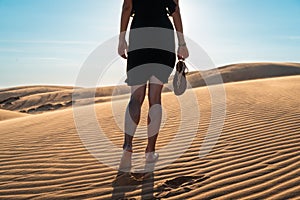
(126, 12)
(182, 49)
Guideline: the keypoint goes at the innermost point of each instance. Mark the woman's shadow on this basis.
(127, 181)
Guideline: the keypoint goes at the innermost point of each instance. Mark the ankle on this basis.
(127, 147)
(148, 150)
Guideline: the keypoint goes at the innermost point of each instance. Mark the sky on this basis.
(46, 42)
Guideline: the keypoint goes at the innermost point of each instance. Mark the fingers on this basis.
(180, 57)
(123, 49)
(182, 53)
(124, 56)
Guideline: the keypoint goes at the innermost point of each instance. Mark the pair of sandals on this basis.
(179, 80)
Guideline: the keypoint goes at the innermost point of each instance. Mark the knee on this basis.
(135, 107)
(136, 102)
(137, 98)
(153, 100)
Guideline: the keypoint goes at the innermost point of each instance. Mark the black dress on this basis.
(151, 42)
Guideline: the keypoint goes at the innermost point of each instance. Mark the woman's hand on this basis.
(182, 52)
(126, 12)
(123, 48)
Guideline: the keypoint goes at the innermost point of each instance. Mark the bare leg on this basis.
(132, 115)
(155, 112)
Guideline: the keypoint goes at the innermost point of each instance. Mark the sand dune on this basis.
(28, 90)
(32, 98)
(38, 99)
(6, 114)
(257, 155)
(245, 71)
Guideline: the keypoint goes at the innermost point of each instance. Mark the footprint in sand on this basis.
(178, 185)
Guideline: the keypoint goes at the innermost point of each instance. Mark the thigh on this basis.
(138, 92)
(154, 91)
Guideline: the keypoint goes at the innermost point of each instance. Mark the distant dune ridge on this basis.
(37, 99)
(257, 155)
(246, 71)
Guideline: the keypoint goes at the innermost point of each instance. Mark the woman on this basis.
(150, 26)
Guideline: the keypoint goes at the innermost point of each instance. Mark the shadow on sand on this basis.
(128, 184)
(127, 181)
